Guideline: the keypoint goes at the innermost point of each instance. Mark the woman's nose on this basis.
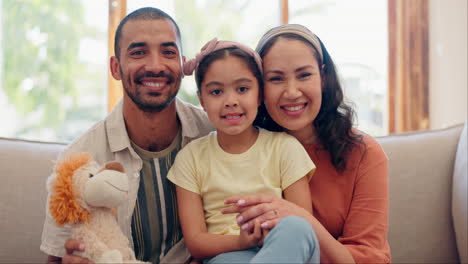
(292, 90)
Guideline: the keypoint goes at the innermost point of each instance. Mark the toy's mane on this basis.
(63, 205)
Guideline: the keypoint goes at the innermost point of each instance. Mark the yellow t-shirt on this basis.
(270, 165)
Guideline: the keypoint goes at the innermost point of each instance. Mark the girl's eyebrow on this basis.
(213, 83)
(242, 80)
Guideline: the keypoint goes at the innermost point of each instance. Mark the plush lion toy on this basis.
(85, 196)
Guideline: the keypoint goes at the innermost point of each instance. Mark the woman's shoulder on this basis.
(368, 148)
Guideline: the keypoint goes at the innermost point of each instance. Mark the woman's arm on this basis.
(299, 194)
(269, 210)
(200, 243)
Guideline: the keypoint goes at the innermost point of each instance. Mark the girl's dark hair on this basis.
(223, 53)
(334, 122)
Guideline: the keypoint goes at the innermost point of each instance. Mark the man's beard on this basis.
(148, 106)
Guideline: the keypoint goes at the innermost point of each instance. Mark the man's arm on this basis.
(70, 246)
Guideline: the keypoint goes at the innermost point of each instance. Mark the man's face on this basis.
(150, 64)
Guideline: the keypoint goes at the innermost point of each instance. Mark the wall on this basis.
(448, 62)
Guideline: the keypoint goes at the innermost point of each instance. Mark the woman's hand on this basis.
(268, 210)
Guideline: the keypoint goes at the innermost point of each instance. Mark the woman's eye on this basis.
(216, 92)
(242, 89)
(304, 75)
(91, 175)
(274, 79)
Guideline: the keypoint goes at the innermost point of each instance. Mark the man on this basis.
(144, 132)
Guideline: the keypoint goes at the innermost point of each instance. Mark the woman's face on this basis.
(293, 86)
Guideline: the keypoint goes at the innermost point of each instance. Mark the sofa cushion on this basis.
(24, 168)
(420, 177)
(460, 197)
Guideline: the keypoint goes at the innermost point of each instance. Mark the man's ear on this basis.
(114, 67)
(183, 59)
(201, 100)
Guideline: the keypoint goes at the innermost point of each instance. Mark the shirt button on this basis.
(136, 175)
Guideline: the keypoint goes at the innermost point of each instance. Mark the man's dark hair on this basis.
(145, 13)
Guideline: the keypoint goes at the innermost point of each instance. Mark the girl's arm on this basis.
(200, 243)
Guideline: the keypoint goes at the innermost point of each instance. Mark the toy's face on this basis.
(100, 187)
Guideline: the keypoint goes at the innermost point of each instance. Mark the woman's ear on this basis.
(114, 67)
(322, 76)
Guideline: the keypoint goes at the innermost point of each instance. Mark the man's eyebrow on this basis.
(136, 45)
(169, 44)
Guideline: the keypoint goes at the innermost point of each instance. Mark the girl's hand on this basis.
(249, 239)
(268, 210)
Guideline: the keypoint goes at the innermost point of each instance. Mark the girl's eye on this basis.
(216, 92)
(304, 75)
(242, 89)
(91, 175)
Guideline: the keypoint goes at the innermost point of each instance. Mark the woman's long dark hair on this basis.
(334, 122)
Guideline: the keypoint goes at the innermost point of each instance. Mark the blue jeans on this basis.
(291, 241)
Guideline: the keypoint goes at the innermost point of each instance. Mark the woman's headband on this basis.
(214, 45)
(293, 29)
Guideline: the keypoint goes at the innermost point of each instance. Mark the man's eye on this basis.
(137, 53)
(169, 52)
(91, 175)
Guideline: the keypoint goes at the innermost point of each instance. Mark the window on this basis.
(202, 20)
(53, 55)
(356, 36)
(354, 32)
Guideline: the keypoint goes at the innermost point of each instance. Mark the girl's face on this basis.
(293, 86)
(230, 95)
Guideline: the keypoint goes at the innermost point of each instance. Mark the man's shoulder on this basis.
(94, 139)
(194, 118)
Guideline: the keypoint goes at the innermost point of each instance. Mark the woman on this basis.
(349, 190)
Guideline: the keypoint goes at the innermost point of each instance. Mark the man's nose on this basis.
(155, 64)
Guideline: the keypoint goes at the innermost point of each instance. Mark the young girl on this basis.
(239, 159)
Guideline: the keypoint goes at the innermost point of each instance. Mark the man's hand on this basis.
(71, 246)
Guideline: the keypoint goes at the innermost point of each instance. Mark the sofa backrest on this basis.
(420, 166)
(24, 168)
(420, 174)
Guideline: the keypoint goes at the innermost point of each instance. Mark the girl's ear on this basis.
(201, 100)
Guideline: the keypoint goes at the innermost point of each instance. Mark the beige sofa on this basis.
(422, 228)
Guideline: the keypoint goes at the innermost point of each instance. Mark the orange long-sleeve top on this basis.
(353, 205)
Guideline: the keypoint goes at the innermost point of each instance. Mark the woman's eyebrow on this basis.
(304, 67)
